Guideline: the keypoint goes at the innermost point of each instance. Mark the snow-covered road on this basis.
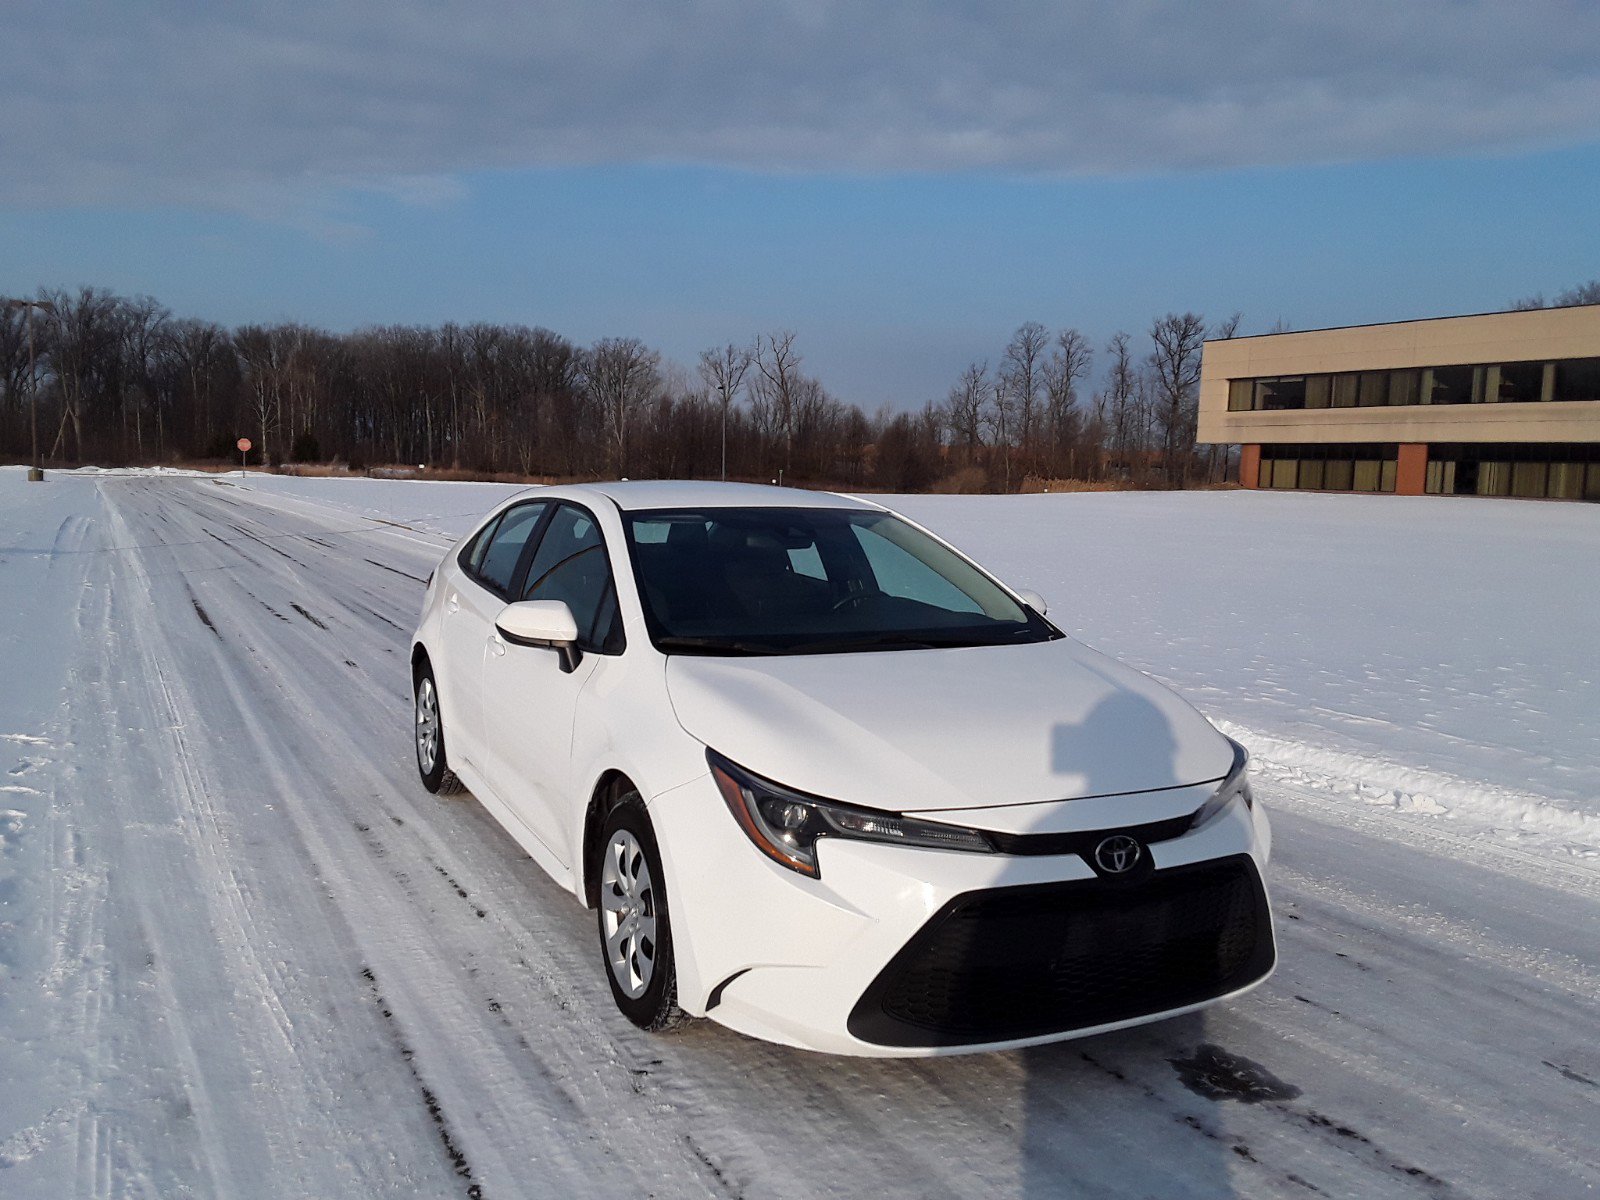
(243, 953)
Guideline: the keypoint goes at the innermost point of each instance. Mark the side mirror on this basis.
(547, 623)
(1033, 600)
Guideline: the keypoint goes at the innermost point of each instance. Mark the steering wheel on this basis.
(852, 599)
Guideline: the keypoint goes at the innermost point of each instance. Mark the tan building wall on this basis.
(1542, 334)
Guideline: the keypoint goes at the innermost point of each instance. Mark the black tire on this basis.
(650, 962)
(436, 775)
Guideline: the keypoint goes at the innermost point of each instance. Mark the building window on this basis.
(1566, 481)
(1577, 379)
(1574, 379)
(1529, 478)
(1374, 389)
(1273, 395)
(1332, 467)
(1555, 470)
(1519, 383)
(1451, 385)
(1403, 386)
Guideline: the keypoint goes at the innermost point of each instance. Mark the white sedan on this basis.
(828, 782)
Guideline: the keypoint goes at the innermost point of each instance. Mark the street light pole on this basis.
(35, 472)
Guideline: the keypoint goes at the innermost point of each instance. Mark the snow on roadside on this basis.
(448, 508)
(1438, 658)
(1376, 782)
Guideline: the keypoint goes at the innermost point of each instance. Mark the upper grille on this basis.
(1029, 961)
(1083, 842)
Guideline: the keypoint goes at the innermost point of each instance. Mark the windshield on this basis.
(812, 581)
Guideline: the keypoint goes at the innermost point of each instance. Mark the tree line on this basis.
(122, 380)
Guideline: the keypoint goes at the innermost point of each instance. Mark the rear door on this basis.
(529, 702)
(476, 592)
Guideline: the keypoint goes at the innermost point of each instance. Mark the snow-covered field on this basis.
(243, 953)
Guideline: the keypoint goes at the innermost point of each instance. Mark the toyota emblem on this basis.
(1117, 854)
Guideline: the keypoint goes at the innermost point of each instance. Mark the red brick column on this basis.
(1411, 472)
(1249, 465)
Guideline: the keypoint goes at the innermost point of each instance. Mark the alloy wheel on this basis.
(628, 914)
(427, 725)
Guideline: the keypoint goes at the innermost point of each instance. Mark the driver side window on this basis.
(571, 565)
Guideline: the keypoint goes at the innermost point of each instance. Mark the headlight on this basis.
(1235, 787)
(785, 825)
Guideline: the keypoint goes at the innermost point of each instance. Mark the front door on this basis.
(529, 702)
(476, 592)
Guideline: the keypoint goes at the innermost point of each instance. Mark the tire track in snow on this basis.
(239, 665)
(457, 1159)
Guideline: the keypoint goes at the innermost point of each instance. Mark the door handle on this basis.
(452, 602)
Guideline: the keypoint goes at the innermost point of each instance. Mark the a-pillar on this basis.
(1411, 473)
(1249, 465)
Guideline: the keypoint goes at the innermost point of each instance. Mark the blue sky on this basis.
(901, 204)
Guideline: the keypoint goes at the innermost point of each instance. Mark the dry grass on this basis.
(965, 481)
(1035, 484)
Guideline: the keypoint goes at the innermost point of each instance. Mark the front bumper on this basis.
(899, 951)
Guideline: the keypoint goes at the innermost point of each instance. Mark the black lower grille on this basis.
(1029, 961)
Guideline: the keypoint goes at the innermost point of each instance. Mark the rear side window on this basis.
(497, 560)
(472, 552)
(570, 565)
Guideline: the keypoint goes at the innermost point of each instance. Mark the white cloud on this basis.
(267, 107)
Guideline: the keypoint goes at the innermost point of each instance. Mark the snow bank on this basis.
(1433, 656)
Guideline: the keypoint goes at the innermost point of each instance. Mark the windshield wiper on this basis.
(891, 641)
(711, 645)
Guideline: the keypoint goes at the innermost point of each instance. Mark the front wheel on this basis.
(635, 932)
(436, 774)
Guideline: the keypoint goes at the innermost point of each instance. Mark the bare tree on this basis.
(779, 365)
(1000, 416)
(142, 329)
(1584, 293)
(1227, 329)
(1120, 401)
(85, 355)
(966, 407)
(1175, 361)
(723, 371)
(201, 354)
(258, 352)
(623, 376)
(1022, 372)
(1067, 366)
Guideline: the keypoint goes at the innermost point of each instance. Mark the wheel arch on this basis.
(608, 792)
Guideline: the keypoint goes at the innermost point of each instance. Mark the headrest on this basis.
(686, 535)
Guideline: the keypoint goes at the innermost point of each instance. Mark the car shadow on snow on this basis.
(1133, 1113)
(1122, 1113)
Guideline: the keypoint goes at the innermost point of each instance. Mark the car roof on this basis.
(635, 495)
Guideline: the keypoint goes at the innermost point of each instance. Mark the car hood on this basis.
(980, 727)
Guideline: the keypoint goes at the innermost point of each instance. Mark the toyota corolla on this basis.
(828, 782)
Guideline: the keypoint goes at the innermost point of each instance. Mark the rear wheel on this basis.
(635, 932)
(432, 765)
